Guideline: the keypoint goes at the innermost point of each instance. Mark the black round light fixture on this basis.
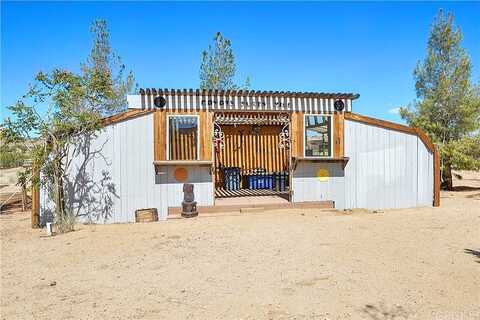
(159, 102)
(339, 105)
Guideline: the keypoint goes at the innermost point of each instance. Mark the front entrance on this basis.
(252, 156)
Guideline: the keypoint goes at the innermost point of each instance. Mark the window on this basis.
(318, 133)
(182, 137)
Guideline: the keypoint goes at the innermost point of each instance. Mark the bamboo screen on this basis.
(250, 148)
(183, 137)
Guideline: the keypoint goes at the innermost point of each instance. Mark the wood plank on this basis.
(338, 134)
(129, 114)
(300, 134)
(35, 210)
(436, 178)
(203, 136)
(294, 134)
(159, 136)
(208, 136)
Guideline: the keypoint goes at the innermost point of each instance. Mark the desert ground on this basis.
(421, 263)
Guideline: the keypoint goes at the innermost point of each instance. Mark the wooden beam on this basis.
(338, 135)
(436, 178)
(159, 136)
(293, 134)
(393, 126)
(379, 123)
(35, 213)
(129, 114)
(300, 134)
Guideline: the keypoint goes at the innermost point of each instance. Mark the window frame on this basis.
(305, 137)
(168, 134)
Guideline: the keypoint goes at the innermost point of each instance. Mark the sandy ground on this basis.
(398, 264)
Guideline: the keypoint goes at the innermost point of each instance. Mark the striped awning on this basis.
(228, 100)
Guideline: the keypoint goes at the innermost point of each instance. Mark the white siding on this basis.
(387, 168)
(119, 177)
(307, 186)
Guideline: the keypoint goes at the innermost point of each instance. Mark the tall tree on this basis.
(217, 70)
(448, 104)
(104, 70)
(75, 104)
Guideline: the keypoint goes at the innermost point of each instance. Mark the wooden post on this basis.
(35, 213)
(436, 177)
(24, 198)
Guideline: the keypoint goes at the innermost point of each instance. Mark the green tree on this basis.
(75, 104)
(105, 73)
(448, 104)
(217, 70)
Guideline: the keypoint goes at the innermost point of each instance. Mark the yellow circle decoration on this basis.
(181, 174)
(323, 174)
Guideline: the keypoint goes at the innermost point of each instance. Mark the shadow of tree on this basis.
(383, 312)
(475, 253)
(465, 188)
(88, 197)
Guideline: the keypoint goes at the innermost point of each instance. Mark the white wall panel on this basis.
(387, 168)
(118, 177)
(307, 186)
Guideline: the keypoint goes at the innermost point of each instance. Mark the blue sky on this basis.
(366, 48)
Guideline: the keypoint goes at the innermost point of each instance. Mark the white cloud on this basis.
(394, 111)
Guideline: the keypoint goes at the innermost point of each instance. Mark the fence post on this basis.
(35, 214)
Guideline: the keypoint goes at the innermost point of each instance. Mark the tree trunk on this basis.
(24, 198)
(59, 198)
(447, 181)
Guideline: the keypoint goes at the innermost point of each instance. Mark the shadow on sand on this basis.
(383, 312)
(474, 253)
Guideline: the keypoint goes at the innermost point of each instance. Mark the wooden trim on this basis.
(174, 212)
(410, 130)
(206, 124)
(436, 178)
(380, 123)
(425, 139)
(300, 134)
(35, 211)
(338, 135)
(392, 126)
(342, 160)
(182, 162)
(159, 136)
(129, 114)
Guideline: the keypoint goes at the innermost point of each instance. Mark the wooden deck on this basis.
(251, 207)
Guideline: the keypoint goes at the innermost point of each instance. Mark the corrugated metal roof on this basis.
(251, 93)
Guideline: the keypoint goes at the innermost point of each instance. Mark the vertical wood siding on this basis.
(249, 151)
(387, 168)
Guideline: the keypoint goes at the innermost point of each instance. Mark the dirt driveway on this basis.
(397, 264)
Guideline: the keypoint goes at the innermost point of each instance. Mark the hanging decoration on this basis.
(284, 133)
(218, 137)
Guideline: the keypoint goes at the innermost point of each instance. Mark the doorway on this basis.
(252, 156)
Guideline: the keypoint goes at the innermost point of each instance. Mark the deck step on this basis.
(203, 211)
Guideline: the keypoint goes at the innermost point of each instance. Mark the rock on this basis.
(53, 283)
